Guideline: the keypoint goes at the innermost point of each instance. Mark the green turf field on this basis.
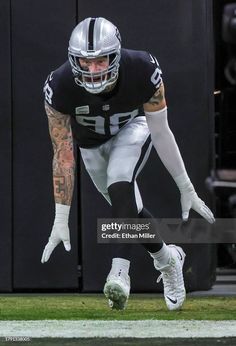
(94, 307)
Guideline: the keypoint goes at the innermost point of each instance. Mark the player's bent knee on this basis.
(117, 179)
(115, 176)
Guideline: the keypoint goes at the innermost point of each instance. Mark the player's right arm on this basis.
(63, 158)
(63, 178)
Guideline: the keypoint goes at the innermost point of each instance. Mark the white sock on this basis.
(120, 263)
(162, 256)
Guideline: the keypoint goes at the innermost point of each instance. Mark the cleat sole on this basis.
(116, 295)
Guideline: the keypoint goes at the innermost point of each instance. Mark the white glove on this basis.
(60, 232)
(189, 199)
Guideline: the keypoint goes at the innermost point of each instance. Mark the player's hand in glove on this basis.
(190, 200)
(60, 232)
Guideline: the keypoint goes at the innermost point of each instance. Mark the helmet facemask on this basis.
(95, 82)
(95, 38)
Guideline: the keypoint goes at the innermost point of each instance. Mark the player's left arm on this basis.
(157, 101)
(165, 144)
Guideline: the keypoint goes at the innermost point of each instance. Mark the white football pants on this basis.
(121, 158)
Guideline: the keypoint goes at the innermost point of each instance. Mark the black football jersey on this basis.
(95, 118)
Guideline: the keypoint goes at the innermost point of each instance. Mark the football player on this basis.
(112, 102)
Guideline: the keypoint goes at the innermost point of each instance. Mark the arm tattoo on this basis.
(158, 97)
(63, 159)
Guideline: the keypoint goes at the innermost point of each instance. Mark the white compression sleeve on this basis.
(165, 144)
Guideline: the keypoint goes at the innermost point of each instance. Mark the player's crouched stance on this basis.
(114, 98)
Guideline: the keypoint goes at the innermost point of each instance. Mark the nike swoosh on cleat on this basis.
(172, 300)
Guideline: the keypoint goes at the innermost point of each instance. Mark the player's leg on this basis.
(169, 260)
(96, 162)
(128, 156)
(129, 150)
(96, 166)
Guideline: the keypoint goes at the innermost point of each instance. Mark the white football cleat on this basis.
(172, 276)
(117, 289)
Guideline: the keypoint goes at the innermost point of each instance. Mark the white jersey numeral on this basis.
(97, 123)
(94, 123)
(48, 93)
(48, 90)
(120, 119)
(156, 76)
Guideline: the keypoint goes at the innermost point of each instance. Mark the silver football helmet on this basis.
(93, 38)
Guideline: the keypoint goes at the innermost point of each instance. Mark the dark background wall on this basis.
(36, 37)
(5, 149)
(40, 32)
